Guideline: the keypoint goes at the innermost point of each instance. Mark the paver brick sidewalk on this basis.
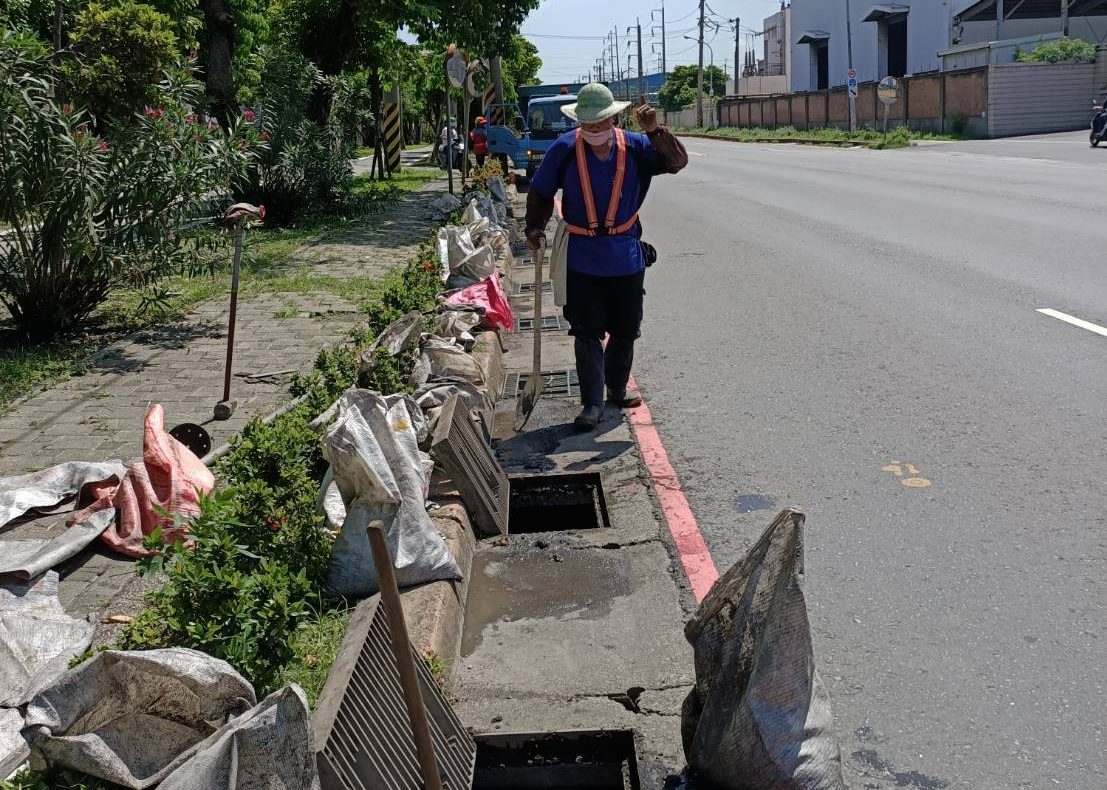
(100, 415)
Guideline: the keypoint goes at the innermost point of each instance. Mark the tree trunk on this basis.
(219, 24)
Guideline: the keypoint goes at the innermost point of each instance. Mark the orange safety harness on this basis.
(609, 228)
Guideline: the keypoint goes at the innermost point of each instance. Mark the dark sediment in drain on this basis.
(598, 760)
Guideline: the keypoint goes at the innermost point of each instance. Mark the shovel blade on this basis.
(524, 407)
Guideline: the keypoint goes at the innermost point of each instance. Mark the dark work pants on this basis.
(598, 306)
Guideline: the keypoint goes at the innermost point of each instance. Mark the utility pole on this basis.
(653, 34)
(619, 66)
(737, 27)
(1000, 18)
(849, 54)
(699, 81)
(1065, 16)
(641, 75)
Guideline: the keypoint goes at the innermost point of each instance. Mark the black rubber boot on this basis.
(589, 418)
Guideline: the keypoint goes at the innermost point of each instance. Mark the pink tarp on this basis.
(489, 294)
(168, 479)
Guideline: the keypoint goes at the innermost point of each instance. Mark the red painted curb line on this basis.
(699, 567)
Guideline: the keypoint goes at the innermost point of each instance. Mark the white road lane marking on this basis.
(695, 153)
(1069, 319)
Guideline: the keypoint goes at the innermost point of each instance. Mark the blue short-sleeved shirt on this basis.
(604, 256)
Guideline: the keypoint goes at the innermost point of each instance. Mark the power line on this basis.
(575, 38)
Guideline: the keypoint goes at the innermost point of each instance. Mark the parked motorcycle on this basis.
(457, 157)
(1099, 125)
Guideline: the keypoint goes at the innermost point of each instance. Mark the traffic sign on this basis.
(852, 74)
(852, 85)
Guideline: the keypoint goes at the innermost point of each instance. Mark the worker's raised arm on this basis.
(670, 151)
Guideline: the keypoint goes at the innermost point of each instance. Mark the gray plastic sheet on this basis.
(269, 746)
(53, 490)
(37, 638)
(133, 717)
(13, 749)
(372, 446)
(759, 717)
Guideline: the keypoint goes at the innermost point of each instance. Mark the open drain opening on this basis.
(557, 503)
(583, 760)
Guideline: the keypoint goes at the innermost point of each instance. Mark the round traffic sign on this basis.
(888, 90)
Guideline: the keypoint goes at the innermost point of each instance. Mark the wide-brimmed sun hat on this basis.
(594, 103)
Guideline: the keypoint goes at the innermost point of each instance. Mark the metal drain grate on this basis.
(557, 384)
(526, 288)
(362, 735)
(469, 462)
(550, 323)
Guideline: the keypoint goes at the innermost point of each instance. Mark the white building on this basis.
(978, 22)
(888, 38)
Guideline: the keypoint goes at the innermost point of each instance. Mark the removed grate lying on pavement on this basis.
(471, 465)
(550, 323)
(526, 288)
(362, 734)
(558, 384)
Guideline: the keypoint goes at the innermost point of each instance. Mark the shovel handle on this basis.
(539, 259)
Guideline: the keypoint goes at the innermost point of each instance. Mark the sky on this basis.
(569, 33)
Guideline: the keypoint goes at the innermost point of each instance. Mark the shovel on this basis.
(525, 405)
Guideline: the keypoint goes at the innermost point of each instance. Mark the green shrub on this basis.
(92, 214)
(1064, 49)
(121, 50)
(223, 597)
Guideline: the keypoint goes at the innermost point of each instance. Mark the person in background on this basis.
(604, 173)
(478, 140)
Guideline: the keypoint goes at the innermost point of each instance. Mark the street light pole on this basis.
(641, 76)
(849, 54)
(699, 81)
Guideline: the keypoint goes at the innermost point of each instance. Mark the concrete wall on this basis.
(950, 101)
(928, 32)
(1034, 98)
(761, 86)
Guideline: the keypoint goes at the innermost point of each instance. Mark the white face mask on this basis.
(597, 138)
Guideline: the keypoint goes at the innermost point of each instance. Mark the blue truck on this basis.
(525, 140)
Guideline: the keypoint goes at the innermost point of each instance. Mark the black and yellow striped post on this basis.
(494, 114)
(393, 134)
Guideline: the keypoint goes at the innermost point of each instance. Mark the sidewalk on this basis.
(576, 629)
(100, 415)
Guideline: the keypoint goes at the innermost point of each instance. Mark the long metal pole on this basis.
(239, 232)
(405, 663)
(1000, 18)
(699, 81)
(737, 63)
(449, 154)
(664, 62)
(618, 62)
(849, 54)
(641, 75)
(1065, 16)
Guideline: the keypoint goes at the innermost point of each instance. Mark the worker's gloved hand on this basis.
(535, 238)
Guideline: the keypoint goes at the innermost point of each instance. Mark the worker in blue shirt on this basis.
(603, 173)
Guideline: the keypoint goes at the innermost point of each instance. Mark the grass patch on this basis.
(897, 137)
(315, 645)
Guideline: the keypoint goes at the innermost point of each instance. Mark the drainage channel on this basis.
(557, 503)
(580, 760)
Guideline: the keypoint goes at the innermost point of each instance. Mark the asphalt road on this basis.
(856, 333)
